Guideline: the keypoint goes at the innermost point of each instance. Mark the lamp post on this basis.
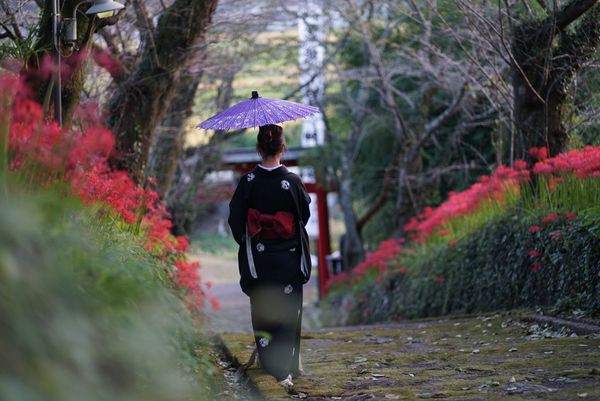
(68, 26)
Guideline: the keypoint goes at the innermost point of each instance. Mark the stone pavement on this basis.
(492, 357)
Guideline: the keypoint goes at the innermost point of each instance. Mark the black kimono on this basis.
(272, 271)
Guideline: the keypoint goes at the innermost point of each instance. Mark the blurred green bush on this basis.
(502, 265)
(86, 313)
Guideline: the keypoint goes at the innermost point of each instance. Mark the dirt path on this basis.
(490, 357)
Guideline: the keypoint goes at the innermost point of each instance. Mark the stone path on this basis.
(490, 357)
(493, 357)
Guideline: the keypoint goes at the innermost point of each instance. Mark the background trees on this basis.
(421, 96)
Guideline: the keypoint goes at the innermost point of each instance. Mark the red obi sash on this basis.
(270, 226)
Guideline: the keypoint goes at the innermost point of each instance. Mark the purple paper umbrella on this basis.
(258, 111)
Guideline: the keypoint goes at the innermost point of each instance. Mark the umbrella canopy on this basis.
(258, 111)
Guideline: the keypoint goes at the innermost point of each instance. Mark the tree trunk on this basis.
(181, 199)
(169, 138)
(140, 103)
(352, 246)
(546, 59)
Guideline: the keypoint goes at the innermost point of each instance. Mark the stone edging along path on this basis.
(501, 356)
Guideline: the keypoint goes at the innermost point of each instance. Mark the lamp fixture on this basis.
(104, 8)
(99, 8)
(67, 28)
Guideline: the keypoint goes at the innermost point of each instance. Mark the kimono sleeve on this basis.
(238, 209)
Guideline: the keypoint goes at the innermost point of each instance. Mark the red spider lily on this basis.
(442, 233)
(439, 279)
(107, 61)
(80, 158)
(534, 253)
(338, 279)
(550, 217)
(382, 259)
(538, 153)
(493, 187)
(387, 251)
(520, 165)
(582, 163)
(536, 266)
(183, 243)
(452, 242)
(535, 229)
(570, 216)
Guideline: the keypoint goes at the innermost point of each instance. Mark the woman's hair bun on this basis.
(270, 140)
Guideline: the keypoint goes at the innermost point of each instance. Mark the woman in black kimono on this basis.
(267, 215)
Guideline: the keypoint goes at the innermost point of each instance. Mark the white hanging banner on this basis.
(312, 52)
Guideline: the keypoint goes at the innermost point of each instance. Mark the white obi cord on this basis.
(303, 265)
(249, 254)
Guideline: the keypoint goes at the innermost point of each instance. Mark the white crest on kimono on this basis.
(288, 289)
(250, 176)
(263, 342)
(260, 247)
(285, 184)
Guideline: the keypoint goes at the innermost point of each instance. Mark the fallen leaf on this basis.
(392, 397)
(513, 350)
(360, 359)
(512, 380)
(582, 395)
(475, 351)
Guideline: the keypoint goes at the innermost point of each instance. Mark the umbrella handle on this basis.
(255, 95)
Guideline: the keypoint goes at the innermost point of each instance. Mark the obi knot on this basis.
(270, 226)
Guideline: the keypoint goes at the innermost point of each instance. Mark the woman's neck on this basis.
(271, 162)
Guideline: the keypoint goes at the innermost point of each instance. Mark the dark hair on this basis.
(270, 140)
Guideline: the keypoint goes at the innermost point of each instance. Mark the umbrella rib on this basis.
(266, 116)
(286, 112)
(246, 114)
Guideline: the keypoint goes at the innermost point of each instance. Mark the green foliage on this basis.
(214, 243)
(488, 270)
(85, 313)
(22, 49)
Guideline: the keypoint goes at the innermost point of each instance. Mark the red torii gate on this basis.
(245, 159)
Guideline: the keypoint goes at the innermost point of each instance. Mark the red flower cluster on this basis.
(582, 163)
(78, 156)
(385, 257)
(539, 153)
(550, 217)
(388, 251)
(491, 187)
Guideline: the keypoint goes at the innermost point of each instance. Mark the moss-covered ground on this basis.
(491, 357)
